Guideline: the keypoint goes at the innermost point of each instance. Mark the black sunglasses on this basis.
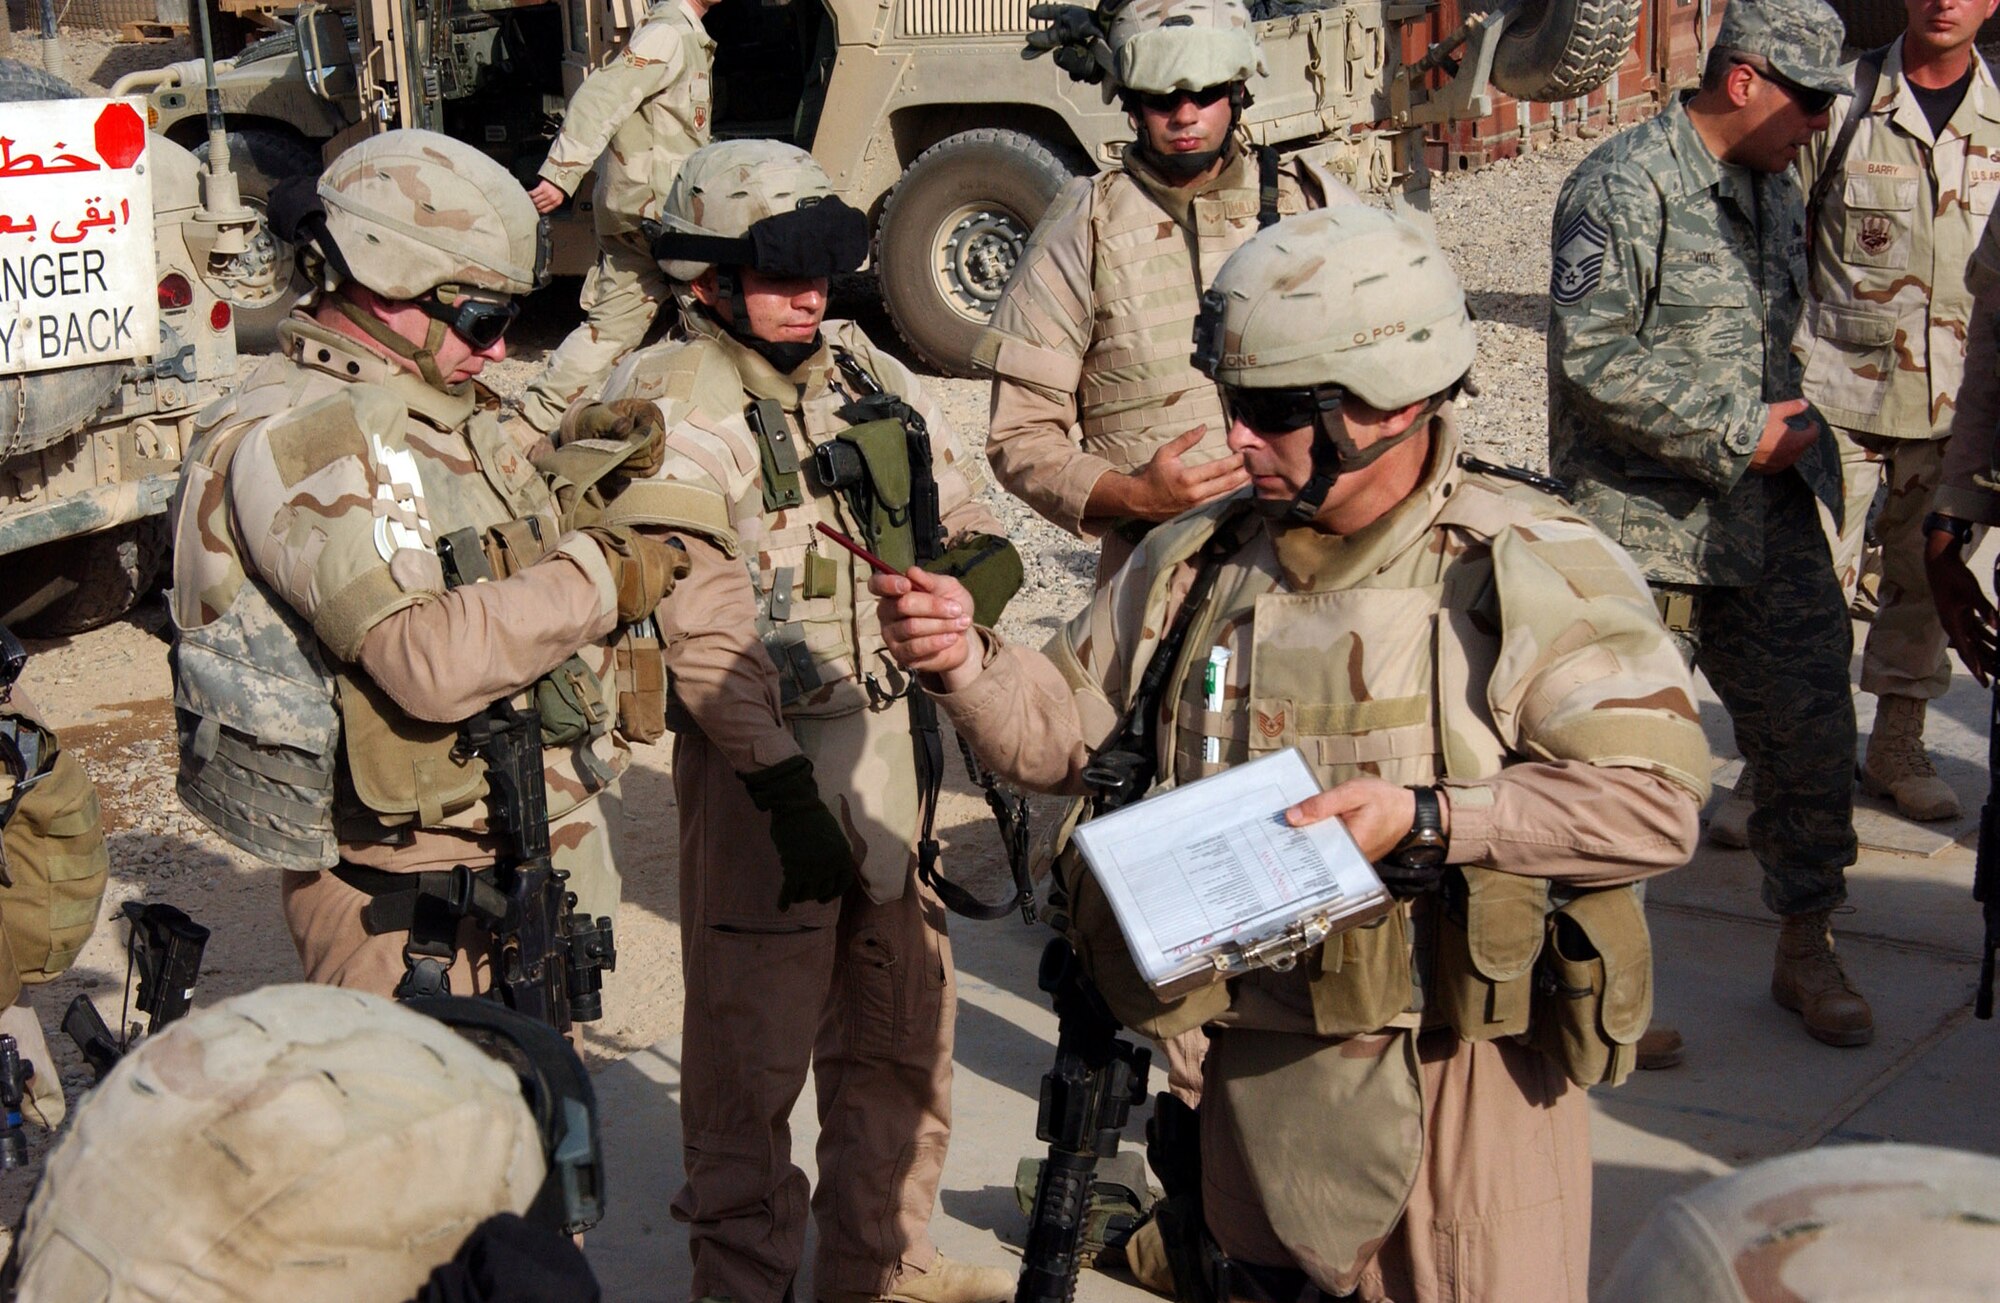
(481, 322)
(1171, 100)
(1277, 411)
(1812, 103)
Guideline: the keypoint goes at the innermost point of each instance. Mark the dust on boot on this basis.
(1808, 979)
(1897, 767)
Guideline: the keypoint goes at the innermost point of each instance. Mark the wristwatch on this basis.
(1939, 523)
(1425, 846)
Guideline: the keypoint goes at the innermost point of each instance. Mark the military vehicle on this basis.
(90, 452)
(924, 112)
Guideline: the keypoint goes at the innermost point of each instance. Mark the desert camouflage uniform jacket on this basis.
(645, 112)
(1674, 297)
(1888, 306)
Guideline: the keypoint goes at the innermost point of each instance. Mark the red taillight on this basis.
(218, 316)
(175, 292)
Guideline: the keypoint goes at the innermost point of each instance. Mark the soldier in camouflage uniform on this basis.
(1480, 680)
(1883, 340)
(1888, 1221)
(52, 877)
(636, 119)
(1968, 494)
(1098, 422)
(322, 661)
(816, 943)
(1674, 413)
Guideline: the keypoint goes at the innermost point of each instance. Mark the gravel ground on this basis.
(109, 695)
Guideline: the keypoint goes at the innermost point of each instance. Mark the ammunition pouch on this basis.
(642, 682)
(570, 699)
(873, 459)
(1593, 988)
(1360, 979)
(56, 867)
(1490, 931)
(513, 545)
(404, 770)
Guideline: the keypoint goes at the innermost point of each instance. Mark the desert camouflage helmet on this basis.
(761, 204)
(1160, 46)
(1348, 296)
(413, 210)
(302, 1143)
(1882, 1222)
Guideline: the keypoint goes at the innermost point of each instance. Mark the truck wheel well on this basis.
(917, 128)
(192, 132)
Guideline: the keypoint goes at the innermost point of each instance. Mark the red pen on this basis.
(881, 567)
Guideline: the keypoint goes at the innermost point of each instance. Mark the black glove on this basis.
(813, 851)
(1080, 46)
(1405, 882)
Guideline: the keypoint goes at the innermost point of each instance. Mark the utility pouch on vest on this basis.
(514, 545)
(57, 865)
(571, 701)
(1489, 933)
(819, 577)
(642, 682)
(1100, 947)
(881, 501)
(403, 767)
(1594, 986)
(778, 458)
(1360, 979)
(990, 569)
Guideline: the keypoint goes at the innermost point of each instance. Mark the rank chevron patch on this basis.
(1579, 261)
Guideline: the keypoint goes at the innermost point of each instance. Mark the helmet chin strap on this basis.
(786, 357)
(378, 330)
(1334, 453)
(1186, 167)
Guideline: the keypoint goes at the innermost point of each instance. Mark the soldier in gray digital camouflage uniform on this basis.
(636, 119)
(1675, 413)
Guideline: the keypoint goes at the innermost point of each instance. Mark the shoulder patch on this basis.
(1579, 259)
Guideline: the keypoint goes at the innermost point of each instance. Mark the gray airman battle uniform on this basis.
(1674, 300)
(1883, 341)
(771, 656)
(644, 113)
(1456, 1164)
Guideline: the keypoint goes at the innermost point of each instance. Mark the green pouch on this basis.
(990, 569)
(1361, 977)
(820, 576)
(1594, 986)
(1489, 934)
(885, 450)
(1120, 1198)
(570, 699)
(56, 857)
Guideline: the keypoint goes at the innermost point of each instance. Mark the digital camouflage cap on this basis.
(1348, 296)
(1165, 45)
(1800, 39)
(298, 1143)
(1902, 1222)
(761, 204)
(412, 210)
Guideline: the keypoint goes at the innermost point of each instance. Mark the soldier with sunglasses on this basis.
(1479, 680)
(365, 558)
(1676, 413)
(1098, 421)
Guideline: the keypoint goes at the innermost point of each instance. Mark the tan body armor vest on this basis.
(286, 747)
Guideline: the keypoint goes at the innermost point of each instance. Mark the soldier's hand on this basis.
(1784, 440)
(927, 624)
(637, 421)
(1378, 813)
(644, 569)
(546, 196)
(814, 856)
(1964, 611)
(1166, 486)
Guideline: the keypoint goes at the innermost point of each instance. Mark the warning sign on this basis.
(78, 281)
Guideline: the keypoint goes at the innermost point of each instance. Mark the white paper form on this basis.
(1212, 865)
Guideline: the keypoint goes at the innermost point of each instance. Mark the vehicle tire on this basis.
(93, 579)
(1559, 49)
(952, 230)
(261, 157)
(43, 407)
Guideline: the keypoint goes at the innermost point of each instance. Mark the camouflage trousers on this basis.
(621, 295)
(1776, 651)
(1905, 653)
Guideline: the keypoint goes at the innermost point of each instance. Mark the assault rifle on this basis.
(547, 963)
(163, 950)
(1097, 1077)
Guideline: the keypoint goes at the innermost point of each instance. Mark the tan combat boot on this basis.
(1896, 766)
(945, 1282)
(1808, 980)
(1730, 825)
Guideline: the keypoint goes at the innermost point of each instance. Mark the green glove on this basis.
(990, 569)
(813, 852)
